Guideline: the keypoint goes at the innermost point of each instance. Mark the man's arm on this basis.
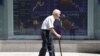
(55, 33)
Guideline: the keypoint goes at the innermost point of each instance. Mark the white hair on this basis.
(56, 11)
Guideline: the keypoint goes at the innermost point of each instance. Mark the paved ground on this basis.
(35, 45)
(36, 54)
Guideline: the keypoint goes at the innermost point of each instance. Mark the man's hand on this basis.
(55, 33)
(58, 36)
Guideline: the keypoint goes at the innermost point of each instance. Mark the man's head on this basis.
(56, 13)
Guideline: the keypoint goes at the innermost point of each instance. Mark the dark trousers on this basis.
(47, 44)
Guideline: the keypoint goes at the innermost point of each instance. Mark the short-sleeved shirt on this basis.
(48, 23)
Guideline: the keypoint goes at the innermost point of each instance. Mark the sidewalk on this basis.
(35, 45)
(36, 54)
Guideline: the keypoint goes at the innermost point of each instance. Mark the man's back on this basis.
(48, 22)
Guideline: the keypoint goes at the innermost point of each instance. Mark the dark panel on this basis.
(1, 2)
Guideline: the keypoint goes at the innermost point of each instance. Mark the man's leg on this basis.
(51, 46)
(44, 44)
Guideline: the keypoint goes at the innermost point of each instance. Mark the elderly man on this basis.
(48, 29)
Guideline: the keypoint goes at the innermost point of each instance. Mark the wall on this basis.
(97, 19)
(3, 20)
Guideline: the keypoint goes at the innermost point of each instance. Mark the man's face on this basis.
(58, 14)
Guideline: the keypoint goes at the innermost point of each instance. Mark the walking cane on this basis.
(60, 47)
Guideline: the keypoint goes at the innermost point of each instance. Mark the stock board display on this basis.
(29, 14)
